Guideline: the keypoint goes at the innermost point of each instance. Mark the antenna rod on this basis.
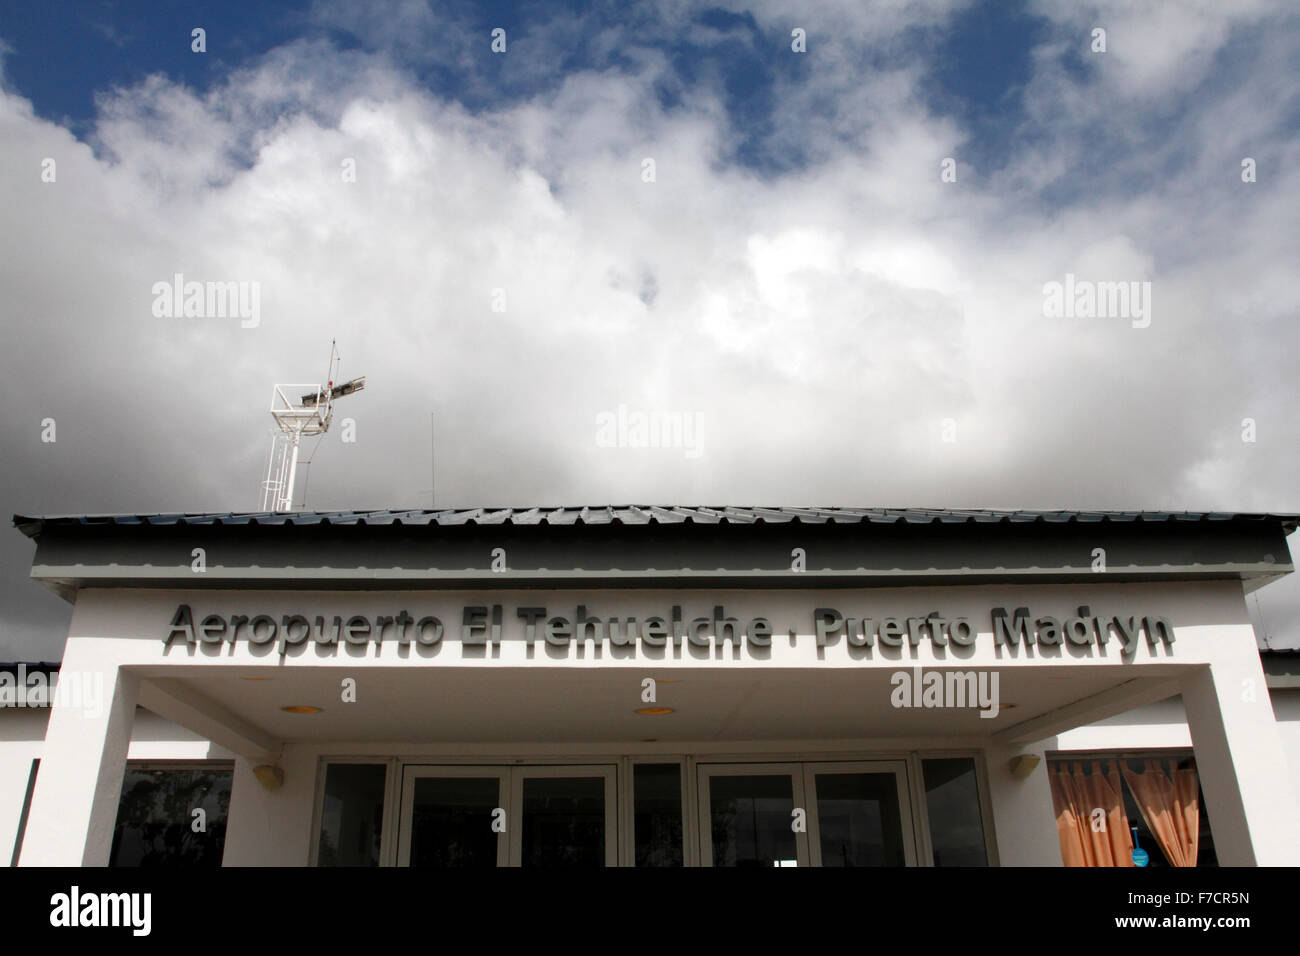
(293, 471)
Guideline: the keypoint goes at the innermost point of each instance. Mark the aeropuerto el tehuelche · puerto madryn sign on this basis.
(484, 624)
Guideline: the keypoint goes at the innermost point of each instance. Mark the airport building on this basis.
(655, 686)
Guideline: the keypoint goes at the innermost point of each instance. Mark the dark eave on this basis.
(653, 547)
(601, 515)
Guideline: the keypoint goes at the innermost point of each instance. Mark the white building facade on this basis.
(665, 686)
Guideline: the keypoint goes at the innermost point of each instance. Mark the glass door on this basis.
(805, 814)
(508, 816)
(563, 816)
(454, 817)
(748, 815)
(858, 814)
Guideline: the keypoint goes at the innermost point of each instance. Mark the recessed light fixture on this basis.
(654, 711)
(301, 709)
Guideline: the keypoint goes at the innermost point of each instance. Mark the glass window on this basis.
(953, 801)
(563, 821)
(1156, 855)
(1108, 762)
(657, 813)
(27, 809)
(351, 820)
(858, 819)
(750, 818)
(156, 820)
(451, 822)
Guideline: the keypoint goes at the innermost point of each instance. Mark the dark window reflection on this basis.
(156, 823)
(657, 813)
(452, 822)
(352, 814)
(563, 821)
(956, 825)
(859, 820)
(751, 818)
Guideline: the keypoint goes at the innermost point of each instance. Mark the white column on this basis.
(1241, 761)
(272, 827)
(79, 784)
(1023, 819)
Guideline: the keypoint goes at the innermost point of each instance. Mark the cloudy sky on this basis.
(816, 238)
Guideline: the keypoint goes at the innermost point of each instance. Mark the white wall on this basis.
(119, 628)
(22, 736)
(1163, 726)
(22, 739)
(1286, 708)
(274, 828)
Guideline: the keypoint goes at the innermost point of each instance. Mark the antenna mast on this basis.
(310, 415)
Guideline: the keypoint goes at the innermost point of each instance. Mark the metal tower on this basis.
(311, 415)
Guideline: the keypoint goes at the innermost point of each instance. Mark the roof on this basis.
(650, 514)
(649, 546)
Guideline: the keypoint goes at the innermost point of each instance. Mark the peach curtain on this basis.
(1076, 796)
(1170, 805)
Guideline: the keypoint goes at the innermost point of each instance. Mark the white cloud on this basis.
(1154, 49)
(823, 322)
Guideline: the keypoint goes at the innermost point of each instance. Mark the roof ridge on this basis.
(640, 514)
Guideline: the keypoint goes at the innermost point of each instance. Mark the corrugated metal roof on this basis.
(594, 515)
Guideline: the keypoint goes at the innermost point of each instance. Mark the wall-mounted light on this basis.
(1022, 766)
(269, 776)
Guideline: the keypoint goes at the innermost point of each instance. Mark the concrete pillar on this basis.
(1023, 819)
(79, 784)
(271, 827)
(1241, 761)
